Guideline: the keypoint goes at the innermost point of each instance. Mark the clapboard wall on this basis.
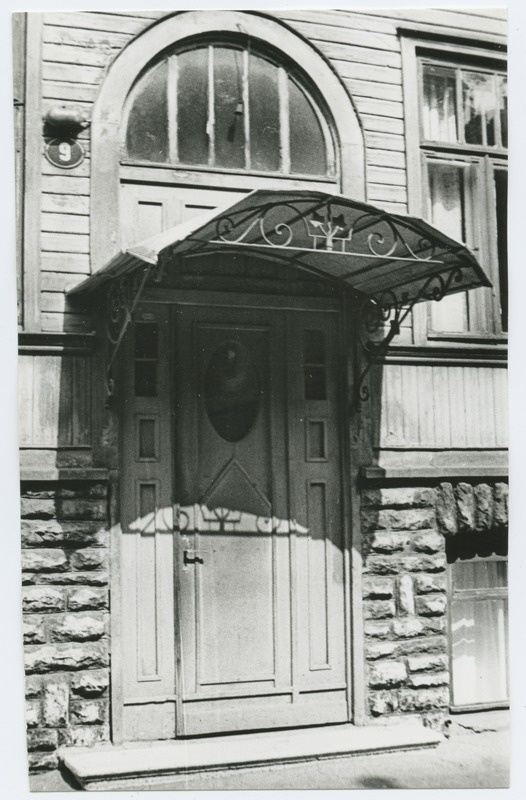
(364, 49)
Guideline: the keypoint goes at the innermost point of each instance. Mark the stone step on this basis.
(129, 766)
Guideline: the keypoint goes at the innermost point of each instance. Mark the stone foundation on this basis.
(65, 616)
(405, 589)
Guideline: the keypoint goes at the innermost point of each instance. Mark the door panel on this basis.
(260, 540)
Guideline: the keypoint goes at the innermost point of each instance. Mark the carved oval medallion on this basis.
(232, 391)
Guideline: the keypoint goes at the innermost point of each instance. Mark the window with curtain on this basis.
(227, 106)
(478, 619)
(463, 141)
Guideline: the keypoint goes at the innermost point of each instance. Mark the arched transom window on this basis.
(227, 106)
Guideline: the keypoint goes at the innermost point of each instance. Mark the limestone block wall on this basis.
(405, 589)
(65, 606)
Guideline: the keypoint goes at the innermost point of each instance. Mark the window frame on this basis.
(484, 305)
(287, 71)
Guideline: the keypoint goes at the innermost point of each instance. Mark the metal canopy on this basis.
(388, 257)
(389, 261)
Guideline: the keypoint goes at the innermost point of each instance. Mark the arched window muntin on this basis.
(177, 147)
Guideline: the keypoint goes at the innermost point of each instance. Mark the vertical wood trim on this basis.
(32, 174)
(415, 205)
(19, 72)
(211, 125)
(116, 615)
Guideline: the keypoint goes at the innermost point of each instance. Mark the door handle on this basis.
(192, 557)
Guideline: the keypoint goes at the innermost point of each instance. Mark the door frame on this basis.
(351, 533)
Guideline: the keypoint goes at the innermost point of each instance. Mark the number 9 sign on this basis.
(65, 153)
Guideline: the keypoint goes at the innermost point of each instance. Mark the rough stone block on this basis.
(422, 646)
(428, 542)
(82, 509)
(90, 684)
(424, 584)
(421, 663)
(55, 706)
(38, 533)
(88, 559)
(377, 630)
(84, 599)
(84, 491)
(32, 713)
(76, 627)
(88, 712)
(398, 520)
(397, 564)
(379, 650)
(387, 674)
(383, 703)
(95, 578)
(428, 679)
(41, 740)
(483, 495)
(43, 598)
(446, 509)
(378, 588)
(500, 508)
(42, 762)
(34, 631)
(44, 560)
(378, 609)
(423, 699)
(37, 508)
(465, 507)
(431, 605)
(408, 627)
(405, 596)
(398, 497)
(66, 657)
(388, 542)
(86, 736)
(33, 686)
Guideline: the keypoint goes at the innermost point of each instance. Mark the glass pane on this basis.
(503, 108)
(446, 211)
(147, 131)
(146, 378)
(228, 108)
(146, 340)
(479, 575)
(439, 118)
(264, 115)
(501, 198)
(479, 632)
(232, 391)
(147, 438)
(307, 144)
(480, 105)
(192, 107)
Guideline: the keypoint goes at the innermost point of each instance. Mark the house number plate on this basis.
(65, 153)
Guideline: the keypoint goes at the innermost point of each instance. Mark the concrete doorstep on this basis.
(149, 764)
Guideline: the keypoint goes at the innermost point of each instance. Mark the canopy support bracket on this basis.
(390, 309)
(122, 301)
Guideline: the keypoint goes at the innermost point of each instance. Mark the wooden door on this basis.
(259, 530)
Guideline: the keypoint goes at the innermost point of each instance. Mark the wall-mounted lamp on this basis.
(61, 127)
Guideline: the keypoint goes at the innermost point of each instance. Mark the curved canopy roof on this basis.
(369, 250)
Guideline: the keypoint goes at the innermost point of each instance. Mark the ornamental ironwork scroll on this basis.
(122, 299)
(332, 227)
(388, 310)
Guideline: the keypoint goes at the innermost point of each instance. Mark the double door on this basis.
(233, 566)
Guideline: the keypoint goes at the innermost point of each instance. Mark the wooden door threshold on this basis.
(135, 765)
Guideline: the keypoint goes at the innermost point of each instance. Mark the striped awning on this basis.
(373, 252)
